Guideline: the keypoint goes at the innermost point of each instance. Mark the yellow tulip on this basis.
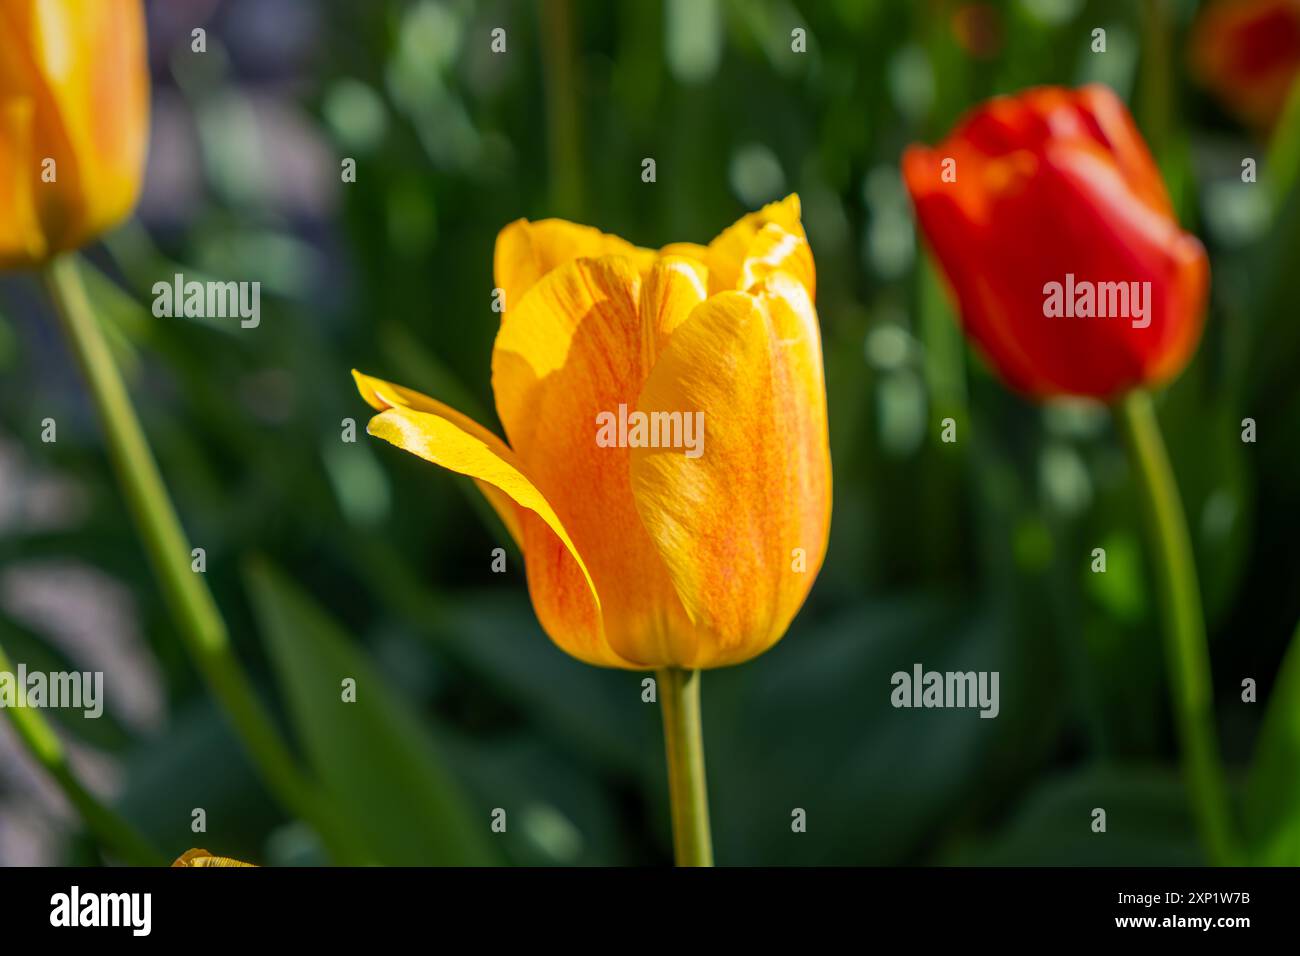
(74, 122)
(200, 859)
(649, 557)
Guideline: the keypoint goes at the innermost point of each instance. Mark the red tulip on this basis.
(1050, 219)
(1248, 53)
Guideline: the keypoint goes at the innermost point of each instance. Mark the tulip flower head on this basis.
(667, 472)
(74, 122)
(1050, 220)
(202, 859)
(1247, 52)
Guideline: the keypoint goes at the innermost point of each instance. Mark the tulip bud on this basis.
(668, 468)
(74, 122)
(1247, 52)
(200, 859)
(1049, 217)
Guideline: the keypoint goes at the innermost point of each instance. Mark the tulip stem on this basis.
(679, 692)
(1187, 654)
(187, 596)
(117, 836)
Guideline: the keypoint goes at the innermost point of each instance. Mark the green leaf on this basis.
(373, 755)
(1273, 787)
(1148, 823)
(810, 725)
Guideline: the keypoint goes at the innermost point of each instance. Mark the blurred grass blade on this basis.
(1284, 150)
(28, 647)
(1273, 786)
(372, 755)
(118, 836)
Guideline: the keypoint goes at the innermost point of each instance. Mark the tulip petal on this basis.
(690, 250)
(381, 396)
(569, 360)
(731, 523)
(775, 250)
(532, 350)
(1112, 126)
(672, 289)
(727, 254)
(958, 222)
(561, 587)
(527, 251)
(83, 63)
(21, 239)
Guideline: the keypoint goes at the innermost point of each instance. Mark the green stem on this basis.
(1186, 649)
(114, 833)
(679, 693)
(187, 596)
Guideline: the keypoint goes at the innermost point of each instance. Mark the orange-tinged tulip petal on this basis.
(572, 349)
(755, 507)
(527, 251)
(672, 288)
(81, 67)
(20, 234)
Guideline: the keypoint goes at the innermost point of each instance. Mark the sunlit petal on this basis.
(743, 527)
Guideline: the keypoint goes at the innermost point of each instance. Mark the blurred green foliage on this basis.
(973, 555)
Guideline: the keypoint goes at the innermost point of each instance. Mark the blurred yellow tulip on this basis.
(196, 858)
(74, 122)
(650, 542)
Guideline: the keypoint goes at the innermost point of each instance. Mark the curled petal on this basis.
(381, 396)
(773, 251)
(561, 587)
(727, 254)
